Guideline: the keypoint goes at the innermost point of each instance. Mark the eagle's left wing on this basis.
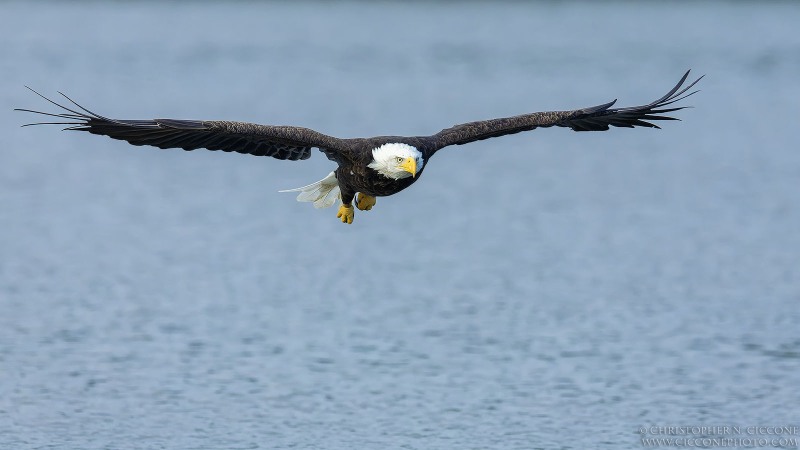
(596, 118)
(281, 142)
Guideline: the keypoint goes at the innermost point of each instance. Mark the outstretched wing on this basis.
(596, 118)
(281, 142)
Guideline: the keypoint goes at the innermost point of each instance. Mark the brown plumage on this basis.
(354, 156)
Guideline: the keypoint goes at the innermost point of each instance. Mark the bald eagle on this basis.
(367, 167)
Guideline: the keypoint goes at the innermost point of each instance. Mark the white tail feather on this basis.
(323, 193)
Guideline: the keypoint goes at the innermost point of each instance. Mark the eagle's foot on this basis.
(365, 202)
(346, 213)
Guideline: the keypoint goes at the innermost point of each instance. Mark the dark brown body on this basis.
(354, 175)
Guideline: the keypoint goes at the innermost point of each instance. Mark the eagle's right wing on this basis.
(281, 142)
(596, 118)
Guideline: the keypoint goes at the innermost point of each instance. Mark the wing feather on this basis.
(595, 118)
(281, 142)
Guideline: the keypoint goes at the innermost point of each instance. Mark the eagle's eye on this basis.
(399, 159)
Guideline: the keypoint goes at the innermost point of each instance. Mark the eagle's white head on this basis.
(397, 160)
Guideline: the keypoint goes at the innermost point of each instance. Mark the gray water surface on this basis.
(544, 290)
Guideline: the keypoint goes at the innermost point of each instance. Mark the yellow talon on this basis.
(346, 213)
(365, 202)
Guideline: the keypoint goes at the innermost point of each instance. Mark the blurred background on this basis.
(549, 289)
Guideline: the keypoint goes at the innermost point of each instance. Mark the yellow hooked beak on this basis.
(410, 166)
